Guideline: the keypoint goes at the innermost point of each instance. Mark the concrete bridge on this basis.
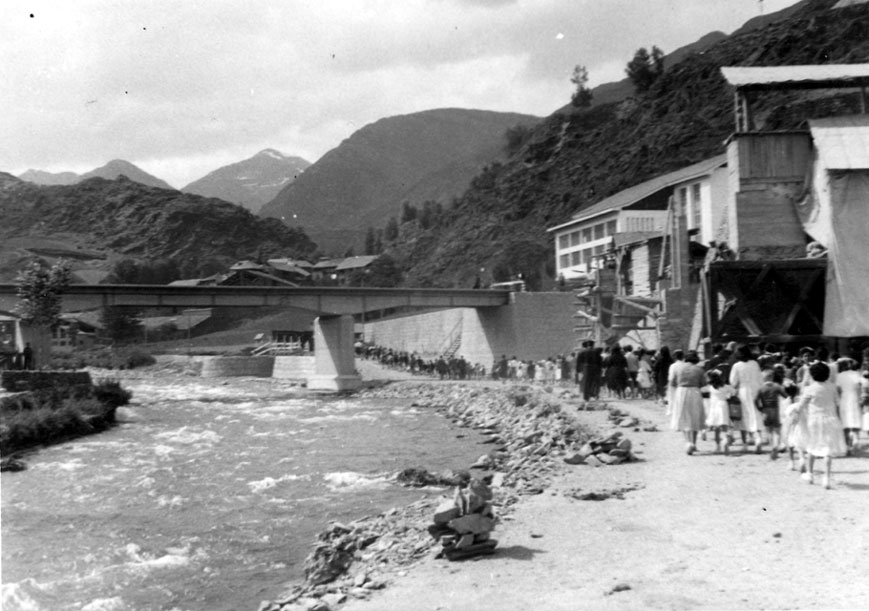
(333, 328)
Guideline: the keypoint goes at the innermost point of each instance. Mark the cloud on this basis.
(162, 82)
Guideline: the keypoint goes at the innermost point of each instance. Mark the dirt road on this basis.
(704, 531)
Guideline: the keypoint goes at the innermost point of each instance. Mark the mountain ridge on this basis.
(252, 182)
(111, 170)
(98, 222)
(364, 180)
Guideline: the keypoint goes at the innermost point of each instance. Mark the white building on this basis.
(642, 210)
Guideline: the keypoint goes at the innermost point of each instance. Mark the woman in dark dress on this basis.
(660, 370)
(616, 372)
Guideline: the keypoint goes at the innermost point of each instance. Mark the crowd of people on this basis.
(811, 405)
(443, 367)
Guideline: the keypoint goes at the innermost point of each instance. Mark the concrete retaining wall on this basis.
(293, 367)
(533, 326)
(228, 366)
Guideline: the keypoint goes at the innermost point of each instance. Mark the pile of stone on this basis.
(622, 418)
(611, 450)
(463, 524)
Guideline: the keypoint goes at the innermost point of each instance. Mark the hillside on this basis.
(250, 183)
(363, 181)
(110, 171)
(573, 160)
(96, 222)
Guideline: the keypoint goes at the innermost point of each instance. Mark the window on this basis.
(574, 238)
(598, 250)
(586, 234)
(574, 258)
(564, 261)
(584, 256)
(695, 202)
(598, 231)
(683, 198)
(563, 241)
(611, 228)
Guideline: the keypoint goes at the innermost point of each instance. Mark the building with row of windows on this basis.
(640, 213)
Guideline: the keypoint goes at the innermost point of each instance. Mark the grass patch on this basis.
(104, 358)
(56, 414)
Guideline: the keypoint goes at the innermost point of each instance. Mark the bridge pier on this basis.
(334, 367)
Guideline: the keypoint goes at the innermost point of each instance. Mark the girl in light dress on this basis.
(644, 375)
(848, 383)
(718, 414)
(824, 438)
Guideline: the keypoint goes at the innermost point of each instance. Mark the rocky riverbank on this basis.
(528, 431)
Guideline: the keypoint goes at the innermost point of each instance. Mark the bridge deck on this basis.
(325, 300)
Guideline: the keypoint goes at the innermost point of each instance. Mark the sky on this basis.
(182, 88)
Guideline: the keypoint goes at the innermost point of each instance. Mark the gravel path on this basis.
(705, 531)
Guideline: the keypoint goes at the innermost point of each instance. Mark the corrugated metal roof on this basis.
(764, 76)
(842, 142)
(327, 264)
(643, 190)
(356, 262)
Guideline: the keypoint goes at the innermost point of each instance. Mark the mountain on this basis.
(119, 167)
(96, 222)
(430, 155)
(572, 160)
(40, 177)
(110, 171)
(250, 183)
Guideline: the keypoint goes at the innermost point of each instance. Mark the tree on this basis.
(644, 69)
(40, 292)
(370, 242)
(516, 137)
(408, 213)
(581, 98)
(121, 324)
(390, 232)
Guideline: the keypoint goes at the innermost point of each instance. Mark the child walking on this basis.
(768, 403)
(823, 427)
(718, 416)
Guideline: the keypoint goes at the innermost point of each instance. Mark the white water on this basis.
(205, 498)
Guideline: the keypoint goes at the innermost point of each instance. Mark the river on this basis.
(206, 495)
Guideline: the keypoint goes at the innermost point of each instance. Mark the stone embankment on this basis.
(529, 430)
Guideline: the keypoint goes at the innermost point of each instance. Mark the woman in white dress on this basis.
(746, 379)
(687, 416)
(848, 384)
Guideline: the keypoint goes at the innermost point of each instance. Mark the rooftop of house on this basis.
(356, 262)
(820, 76)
